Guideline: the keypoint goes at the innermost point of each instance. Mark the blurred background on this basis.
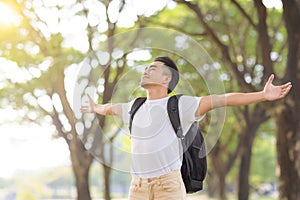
(54, 52)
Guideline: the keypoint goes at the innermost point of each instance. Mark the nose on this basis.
(146, 72)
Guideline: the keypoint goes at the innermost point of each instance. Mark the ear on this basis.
(167, 79)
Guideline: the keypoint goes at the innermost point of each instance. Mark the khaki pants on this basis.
(166, 187)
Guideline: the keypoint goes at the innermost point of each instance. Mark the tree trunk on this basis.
(80, 157)
(107, 173)
(222, 183)
(212, 182)
(220, 168)
(288, 154)
(246, 154)
(81, 162)
(218, 183)
(253, 122)
(287, 117)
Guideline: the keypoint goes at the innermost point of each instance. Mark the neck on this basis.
(153, 94)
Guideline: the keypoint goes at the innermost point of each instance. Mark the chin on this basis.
(144, 85)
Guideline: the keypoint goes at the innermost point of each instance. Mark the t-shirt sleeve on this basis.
(126, 107)
(188, 106)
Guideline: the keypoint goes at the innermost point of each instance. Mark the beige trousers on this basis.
(166, 187)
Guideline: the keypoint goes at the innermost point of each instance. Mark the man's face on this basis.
(156, 74)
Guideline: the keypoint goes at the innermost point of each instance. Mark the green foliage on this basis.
(29, 48)
(263, 164)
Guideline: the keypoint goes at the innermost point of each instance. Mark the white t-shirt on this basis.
(155, 148)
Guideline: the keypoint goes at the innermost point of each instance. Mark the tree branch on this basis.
(58, 125)
(165, 25)
(263, 38)
(224, 49)
(244, 13)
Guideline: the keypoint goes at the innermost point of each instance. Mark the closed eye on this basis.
(151, 67)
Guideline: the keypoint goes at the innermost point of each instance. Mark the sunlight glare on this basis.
(273, 4)
(30, 147)
(8, 17)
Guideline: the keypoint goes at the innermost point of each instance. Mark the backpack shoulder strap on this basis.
(173, 112)
(135, 106)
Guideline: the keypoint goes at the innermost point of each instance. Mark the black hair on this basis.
(173, 68)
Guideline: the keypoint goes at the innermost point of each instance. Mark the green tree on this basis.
(47, 96)
(249, 117)
(35, 48)
(263, 164)
(252, 52)
(251, 65)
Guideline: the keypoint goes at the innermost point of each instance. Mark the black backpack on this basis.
(194, 164)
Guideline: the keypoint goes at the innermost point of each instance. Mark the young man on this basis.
(155, 150)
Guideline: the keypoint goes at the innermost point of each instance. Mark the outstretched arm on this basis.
(102, 109)
(269, 93)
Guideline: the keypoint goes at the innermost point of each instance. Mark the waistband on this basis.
(162, 177)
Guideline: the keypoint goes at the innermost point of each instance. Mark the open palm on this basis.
(91, 106)
(273, 92)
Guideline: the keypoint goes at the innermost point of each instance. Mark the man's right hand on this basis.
(90, 107)
(101, 109)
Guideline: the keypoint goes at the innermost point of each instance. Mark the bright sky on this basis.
(273, 3)
(31, 147)
(8, 17)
